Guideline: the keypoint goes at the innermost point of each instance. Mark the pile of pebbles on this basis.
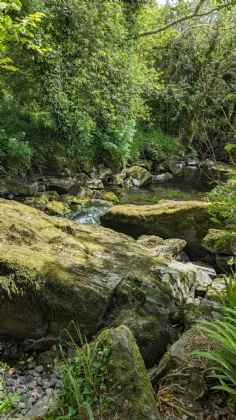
(32, 371)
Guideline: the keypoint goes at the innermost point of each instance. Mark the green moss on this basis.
(109, 196)
(71, 199)
(160, 219)
(57, 208)
(129, 374)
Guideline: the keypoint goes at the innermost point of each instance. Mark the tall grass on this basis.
(84, 376)
(229, 300)
(224, 333)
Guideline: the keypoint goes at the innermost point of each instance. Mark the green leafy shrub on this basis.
(84, 378)
(15, 153)
(118, 143)
(224, 333)
(223, 204)
(153, 144)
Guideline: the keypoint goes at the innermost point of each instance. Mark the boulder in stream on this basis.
(140, 176)
(188, 220)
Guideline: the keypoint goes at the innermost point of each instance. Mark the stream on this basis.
(190, 183)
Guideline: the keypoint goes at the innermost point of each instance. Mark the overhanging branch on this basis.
(183, 18)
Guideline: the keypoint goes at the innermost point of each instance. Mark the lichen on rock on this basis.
(131, 392)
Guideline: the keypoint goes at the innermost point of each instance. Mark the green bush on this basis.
(118, 143)
(153, 144)
(15, 153)
(224, 333)
(223, 204)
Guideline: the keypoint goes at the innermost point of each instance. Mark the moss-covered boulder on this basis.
(188, 220)
(151, 336)
(50, 202)
(140, 176)
(63, 185)
(109, 196)
(57, 208)
(220, 242)
(131, 393)
(53, 270)
(17, 187)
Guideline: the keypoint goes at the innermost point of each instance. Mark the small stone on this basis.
(39, 380)
(31, 400)
(49, 391)
(39, 369)
(22, 405)
(10, 382)
(59, 384)
(53, 382)
(31, 366)
(45, 384)
(32, 385)
(37, 393)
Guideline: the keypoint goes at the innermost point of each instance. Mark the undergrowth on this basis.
(84, 378)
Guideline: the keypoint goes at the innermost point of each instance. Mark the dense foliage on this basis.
(110, 81)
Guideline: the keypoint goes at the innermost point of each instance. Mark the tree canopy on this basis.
(110, 81)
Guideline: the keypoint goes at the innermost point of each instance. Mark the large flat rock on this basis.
(53, 270)
(188, 220)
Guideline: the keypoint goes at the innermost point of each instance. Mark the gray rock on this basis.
(95, 184)
(151, 337)
(41, 407)
(206, 268)
(52, 382)
(32, 385)
(10, 382)
(39, 369)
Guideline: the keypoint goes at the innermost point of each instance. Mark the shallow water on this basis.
(89, 214)
(189, 184)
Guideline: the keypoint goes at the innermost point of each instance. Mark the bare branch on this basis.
(183, 18)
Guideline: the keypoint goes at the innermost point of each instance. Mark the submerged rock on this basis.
(131, 391)
(139, 176)
(53, 270)
(188, 220)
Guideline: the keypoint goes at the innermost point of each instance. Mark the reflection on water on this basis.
(189, 184)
